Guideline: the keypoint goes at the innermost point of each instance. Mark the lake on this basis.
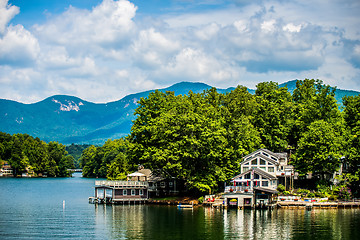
(58, 208)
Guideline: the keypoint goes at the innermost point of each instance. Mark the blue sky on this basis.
(103, 50)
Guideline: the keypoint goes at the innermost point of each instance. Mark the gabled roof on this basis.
(261, 150)
(258, 171)
(250, 157)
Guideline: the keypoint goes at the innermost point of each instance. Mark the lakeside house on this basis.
(6, 170)
(260, 174)
(139, 187)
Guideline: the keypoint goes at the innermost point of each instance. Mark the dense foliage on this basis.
(27, 154)
(201, 138)
(109, 160)
(76, 150)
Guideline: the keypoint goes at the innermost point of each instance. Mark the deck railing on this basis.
(237, 189)
(122, 183)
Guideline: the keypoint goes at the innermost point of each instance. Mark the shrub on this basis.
(281, 188)
(201, 199)
(311, 195)
(303, 192)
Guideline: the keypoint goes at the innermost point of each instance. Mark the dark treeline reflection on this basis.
(168, 222)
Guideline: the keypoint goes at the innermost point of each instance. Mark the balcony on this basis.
(122, 184)
(237, 189)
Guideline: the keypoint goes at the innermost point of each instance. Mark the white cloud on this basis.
(268, 26)
(109, 23)
(7, 12)
(18, 47)
(107, 52)
(152, 48)
(292, 28)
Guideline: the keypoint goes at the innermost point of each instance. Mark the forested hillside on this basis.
(27, 154)
(202, 137)
(69, 119)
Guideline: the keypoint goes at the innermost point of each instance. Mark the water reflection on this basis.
(166, 222)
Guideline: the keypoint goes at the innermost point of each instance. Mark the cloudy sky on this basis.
(103, 50)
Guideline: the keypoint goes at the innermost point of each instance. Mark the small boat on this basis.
(185, 205)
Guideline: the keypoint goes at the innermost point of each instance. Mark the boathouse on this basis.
(139, 187)
(120, 192)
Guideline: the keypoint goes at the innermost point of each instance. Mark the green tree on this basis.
(352, 120)
(239, 110)
(273, 118)
(88, 162)
(313, 101)
(59, 162)
(188, 136)
(320, 148)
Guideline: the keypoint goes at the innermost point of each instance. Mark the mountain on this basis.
(69, 119)
(339, 93)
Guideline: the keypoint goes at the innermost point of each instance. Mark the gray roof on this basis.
(258, 171)
(262, 189)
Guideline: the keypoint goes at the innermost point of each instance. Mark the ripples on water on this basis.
(33, 209)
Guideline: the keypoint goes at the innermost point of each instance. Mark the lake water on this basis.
(35, 209)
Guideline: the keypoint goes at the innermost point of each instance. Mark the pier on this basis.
(310, 205)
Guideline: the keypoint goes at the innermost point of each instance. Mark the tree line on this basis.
(202, 137)
(27, 154)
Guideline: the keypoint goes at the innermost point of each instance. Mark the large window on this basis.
(124, 192)
(132, 192)
(245, 169)
(256, 176)
(254, 162)
(270, 169)
(264, 183)
(262, 162)
(248, 176)
(141, 192)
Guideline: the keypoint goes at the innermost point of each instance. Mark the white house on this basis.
(262, 169)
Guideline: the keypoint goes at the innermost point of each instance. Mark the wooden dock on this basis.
(310, 205)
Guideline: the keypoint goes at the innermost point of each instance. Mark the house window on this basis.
(264, 183)
(141, 192)
(124, 192)
(262, 162)
(274, 158)
(254, 162)
(248, 176)
(256, 176)
(270, 169)
(171, 184)
(263, 168)
(150, 184)
(265, 154)
(270, 164)
(245, 169)
(246, 163)
(162, 184)
(132, 192)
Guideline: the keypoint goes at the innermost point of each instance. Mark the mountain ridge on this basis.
(69, 119)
